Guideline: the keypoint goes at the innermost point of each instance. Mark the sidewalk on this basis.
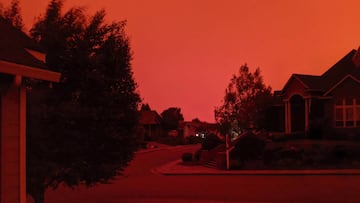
(176, 168)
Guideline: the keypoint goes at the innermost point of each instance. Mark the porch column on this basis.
(13, 143)
(307, 110)
(287, 116)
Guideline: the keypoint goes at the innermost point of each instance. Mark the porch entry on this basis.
(297, 111)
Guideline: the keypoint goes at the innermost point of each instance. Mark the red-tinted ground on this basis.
(141, 185)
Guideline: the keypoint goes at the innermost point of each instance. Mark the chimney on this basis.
(356, 58)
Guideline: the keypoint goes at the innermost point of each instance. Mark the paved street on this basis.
(141, 185)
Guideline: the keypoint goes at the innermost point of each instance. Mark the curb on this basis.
(159, 148)
(173, 168)
(149, 150)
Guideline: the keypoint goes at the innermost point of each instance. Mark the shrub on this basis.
(187, 157)
(143, 145)
(271, 155)
(315, 129)
(194, 140)
(282, 137)
(210, 142)
(249, 147)
(197, 155)
(339, 152)
(291, 152)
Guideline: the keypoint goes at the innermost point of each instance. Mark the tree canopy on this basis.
(83, 129)
(12, 14)
(145, 107)
(245, 101)
(171, 118)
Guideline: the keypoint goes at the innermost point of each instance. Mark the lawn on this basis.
(309, 154)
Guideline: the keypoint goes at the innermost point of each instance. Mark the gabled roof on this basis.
(310, 81)
(332, 77)
(339, 70)
(14, 46)
(199, 124)
(20, 55)
(348, 77)
(149, 117)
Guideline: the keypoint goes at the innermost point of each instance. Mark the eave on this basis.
(340, 82)
(29, 72)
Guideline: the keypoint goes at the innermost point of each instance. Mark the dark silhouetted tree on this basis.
(12, 14)
(83, 129)
(245, 101)
(1, 9)
(171, 118)
(197, 120)
(145, 107)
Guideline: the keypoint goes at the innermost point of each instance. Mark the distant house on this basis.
(328, 104)
(196, 128)
(150, 124)
(20, 58)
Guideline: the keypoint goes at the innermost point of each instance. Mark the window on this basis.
(347, 112)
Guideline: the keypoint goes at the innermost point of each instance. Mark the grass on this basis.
(312, 154)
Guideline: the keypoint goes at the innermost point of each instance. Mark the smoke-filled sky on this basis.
(185, 51)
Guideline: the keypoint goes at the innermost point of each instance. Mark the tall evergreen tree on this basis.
(83, 129)
(145, 107)
(12, 14)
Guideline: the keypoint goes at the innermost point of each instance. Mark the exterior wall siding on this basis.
(10, 148)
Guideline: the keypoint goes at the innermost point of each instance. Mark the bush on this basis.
(249, 147)
(187, 157)
(210, 142)
(194, 140)
(143, 145)
(282, 137)
(340, 152)
(315, 133)
(197, 155)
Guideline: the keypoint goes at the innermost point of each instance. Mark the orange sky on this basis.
(185, 51)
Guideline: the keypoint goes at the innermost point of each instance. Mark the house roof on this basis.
(20, 55)
(330, 78)
(149, 117)
(310, 81)
(340, 70)
(341, 81)
(199, 124)
(14, 46)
